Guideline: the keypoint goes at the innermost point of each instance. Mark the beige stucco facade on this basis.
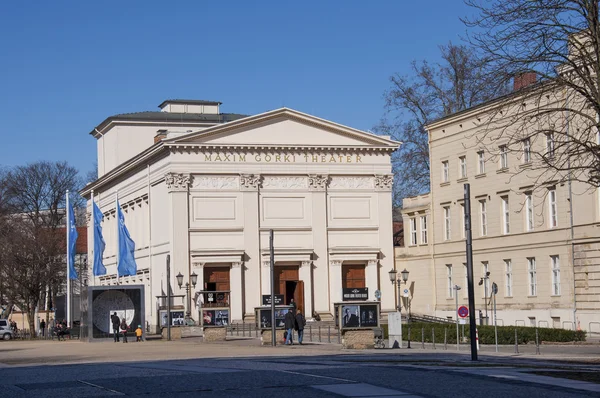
(209, 198)
(545, 260)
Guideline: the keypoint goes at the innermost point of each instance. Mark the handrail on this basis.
(517, 322)
(546, 322)
(572, 324)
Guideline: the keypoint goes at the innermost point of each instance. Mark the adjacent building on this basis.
(206, 188)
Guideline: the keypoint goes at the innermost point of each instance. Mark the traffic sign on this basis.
(405, 292)
(463, 311)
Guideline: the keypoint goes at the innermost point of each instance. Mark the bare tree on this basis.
(430, 92)
(552, 124)
(33, 237)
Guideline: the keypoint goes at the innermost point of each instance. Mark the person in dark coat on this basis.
(300, 323)
(43, 327)
(124, 328)
(115, 324)
(290, 325)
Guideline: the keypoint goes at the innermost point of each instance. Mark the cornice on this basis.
(291, 148)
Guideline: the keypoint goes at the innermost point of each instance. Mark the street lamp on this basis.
(403, 279)
(194, 279)
(483, 281)
(456, 289)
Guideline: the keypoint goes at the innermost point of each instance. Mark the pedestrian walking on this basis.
(115, 324)
(138, 333)
(290, 325)
(300, 323)
(124, 328)
(43, 328)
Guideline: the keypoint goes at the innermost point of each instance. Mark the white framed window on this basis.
(447, 226)
(480, 162)
(532, 274)
(423, 230)
(552, 209)
(449, 278)
(462, 166)
(483, 216)
(463, 227)
(445, 171)
(529, 221)
(508, 277)
(503, 156)
(549, 145)
(485, 268)
(526, 150)
(555, 264)
(413, 231)
(505, 215)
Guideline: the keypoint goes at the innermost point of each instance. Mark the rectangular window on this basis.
(549, 145)
(445, 171)
(526, 150)
(423, 230)
(483, 216)
(503, 157)
(508, 277)
(480, 162)
(413, 231)
(555, 264)
(450, 284)
(552, 210)
(447, 232)
(463, 227)
(462, 165)
(532, 276)
(505, 215)
(529, 211)
(485, 268)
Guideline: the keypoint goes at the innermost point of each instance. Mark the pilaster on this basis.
(322, 296)
(372, 277)
(237, 290)
(250, 272)
(335, 281)
(305, 274)
(383, 186)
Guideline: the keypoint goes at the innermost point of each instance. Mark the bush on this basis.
(506, 334)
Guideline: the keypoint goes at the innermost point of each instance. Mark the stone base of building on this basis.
(265, 337)
(191, 331)
(215, 334)
(358, 339)
(175, 333)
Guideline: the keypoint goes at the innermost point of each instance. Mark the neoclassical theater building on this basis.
(207, 187)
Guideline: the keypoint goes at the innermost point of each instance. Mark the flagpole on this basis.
(68, 225)
(117, 235)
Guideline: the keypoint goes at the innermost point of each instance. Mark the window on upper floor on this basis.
(445, 171)
(532, 276)
(483, 216)
(480, 162)
(503, 156)
(447, 223)
(505, 215)
(463, 227)
(508, 277)
(449, 278)
(423, 230)
(552, 209)
(462, 166)
(526, 150)
(529, 211)
(413, 231)
(549, 145)
(555, 266)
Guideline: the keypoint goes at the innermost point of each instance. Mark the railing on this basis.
(570, 322)
(590, 328)
(545, 322)
(430, 319)
(312, 333)
(215, 299)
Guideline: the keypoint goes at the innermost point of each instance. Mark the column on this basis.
(305, 274)
(178, 186)
(249, 185)
(317, 185)
(237, 291)
(265, 278)
(371, 277)
(335, 281)
(197, 301)
(383, 185)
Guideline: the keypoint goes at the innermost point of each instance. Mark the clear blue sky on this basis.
(66, 66)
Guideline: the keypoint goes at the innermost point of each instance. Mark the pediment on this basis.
(283, 127)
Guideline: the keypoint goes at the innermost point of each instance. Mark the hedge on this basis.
(506, 334)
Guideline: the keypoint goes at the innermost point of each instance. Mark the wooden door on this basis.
(299, 296)
(284, 274)
(353, 276)
(219, 276)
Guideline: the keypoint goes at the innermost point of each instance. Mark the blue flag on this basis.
(126, 265)
(99, 244)
(72, 240)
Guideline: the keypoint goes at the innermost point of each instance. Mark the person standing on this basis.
(124, 328)
(290, 325)
(115, 324)
(43, 328)
(138, 333)
(300, 323)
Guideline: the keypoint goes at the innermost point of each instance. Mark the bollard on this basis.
(310, 333)
(516, 342)
(255, 331)
(243, 328)
(477, 338)
(408, 346)
(423, 338)
(433, 337)
(237, 328)
(329, 333)
(339, 334)
(537, 342)
(445, 339)
(319, 333)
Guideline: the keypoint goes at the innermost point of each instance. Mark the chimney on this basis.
(523, 80)
(160, 134)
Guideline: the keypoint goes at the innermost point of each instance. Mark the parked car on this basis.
(5, 332)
